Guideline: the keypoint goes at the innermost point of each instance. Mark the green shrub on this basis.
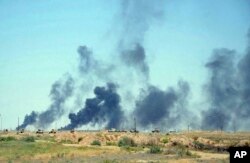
(96, 142)
(110, 161)
(80, 139)
(8, 138)
(198, 145)
(126, 141)
(181, 152)
(186, 153)
(132, 149)
(29, 139)
(164, 140)
(110, 143)
(155, 149)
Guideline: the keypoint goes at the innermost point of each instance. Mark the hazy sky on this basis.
(39, 40)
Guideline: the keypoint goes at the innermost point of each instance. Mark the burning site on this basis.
(92, 81)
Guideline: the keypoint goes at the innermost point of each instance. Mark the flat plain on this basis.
(106, 147)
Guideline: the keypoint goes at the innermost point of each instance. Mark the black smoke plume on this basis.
(136, 57)
(244, 73)
(28, 120)
(155, 107)
(60, 92)
(221, 90)
(86, 59)
(104, 108)
(136, 18)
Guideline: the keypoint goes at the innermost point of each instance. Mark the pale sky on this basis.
(39, 40)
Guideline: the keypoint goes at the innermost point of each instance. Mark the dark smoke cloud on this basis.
(86, 59)
(244, 73)
(60, 92)
(157, 107)
(28, 120)
(88, 64)
(154, 106)
(136, 18)
(104, 108)
(221, 90)
(136, 57)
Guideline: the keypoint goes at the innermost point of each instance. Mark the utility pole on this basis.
(188, 127)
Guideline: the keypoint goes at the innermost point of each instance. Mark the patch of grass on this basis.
(8, 138)
(17, 149)
(198, 145)
(132, 149)
(110, 143)
(46, 138)
(66, 141)
(164, 140)
(155, 149)
(60, 155)
(110, 161)
(96, 142)
(126, 141)
(29, 139)
(169, 151)
(151, 142)
(186, 153)
(98, 134)
(182, 151)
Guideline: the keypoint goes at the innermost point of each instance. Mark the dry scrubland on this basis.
(119, 147)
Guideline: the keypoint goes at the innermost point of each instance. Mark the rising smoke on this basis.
(227, 89)
(60, 91)
(155, 106)
(102, 109)
(158, 108)
(28, 120)
(221, 90)
(136, 18)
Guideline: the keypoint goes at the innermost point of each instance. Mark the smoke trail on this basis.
(244, 67)
(60, 92)
(28, 120)
(157, 108)
(91, 67)
(136, 18)
(222, 90)
(86, 59)
(136, 57)
(104, 108)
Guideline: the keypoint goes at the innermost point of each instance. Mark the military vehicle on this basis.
(52, 131)
(156, 131)
(39, 131)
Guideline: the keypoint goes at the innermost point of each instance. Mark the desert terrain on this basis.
(104, 146)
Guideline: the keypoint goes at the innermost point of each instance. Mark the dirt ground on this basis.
(183, 147)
